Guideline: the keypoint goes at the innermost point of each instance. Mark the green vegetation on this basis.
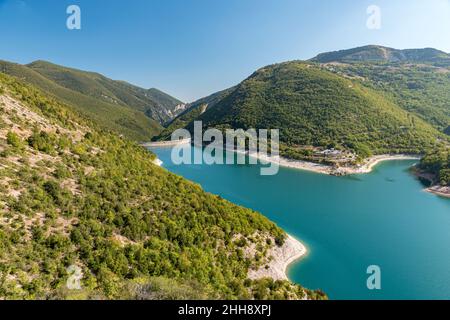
(14, 140)
(364, 101)
(193, 111)
(368, 100)
(437, 162)
(315, 107)
(156, 104)
(417, 80)
(78, 195)
(422, 90)
(379, 54)
(116, 105)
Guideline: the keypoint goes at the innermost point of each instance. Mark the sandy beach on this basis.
(159, 144)
(282, 257)
(294, 164)
(437, 189)
(367, 167)
(371, 162)
(440, 191)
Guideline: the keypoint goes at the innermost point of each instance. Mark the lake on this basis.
(347, 223)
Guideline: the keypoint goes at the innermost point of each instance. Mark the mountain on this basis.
(380, 54)
(156, 104)
(418, 84)
(417, 80)
(192, 112)
(135, 112)
(315, 108)
(172, 106)
(76, 196)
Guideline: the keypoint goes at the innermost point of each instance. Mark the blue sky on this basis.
(191, 48)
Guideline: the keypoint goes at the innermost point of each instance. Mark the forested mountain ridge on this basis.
(437, 165)
(76, 195)
(153, 102)
(192, 112)
(315, 107)
(417, 80)
(367, 100)
(380, 54)
(117, 105)
(418, 87)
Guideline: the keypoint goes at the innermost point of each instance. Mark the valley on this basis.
(81, 190)
(340, 112)
(75, 195)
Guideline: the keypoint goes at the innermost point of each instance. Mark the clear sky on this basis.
(191, 48)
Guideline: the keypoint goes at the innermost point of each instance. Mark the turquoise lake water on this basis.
(347, 223)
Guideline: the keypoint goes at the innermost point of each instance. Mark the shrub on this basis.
(444, 176)
(14, 140)
(42, 142)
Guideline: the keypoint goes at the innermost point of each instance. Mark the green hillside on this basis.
(417, 80)
(437, 163)
(120, 118)
(154, 103)
(315, 107)
(73, 194)
(380, 54)
(192, 112)
(420, 89)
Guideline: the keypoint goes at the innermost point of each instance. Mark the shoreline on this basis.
(367, 167)
(373, 161)
(434, 188)
(292, 250)
(439, 191)
(160, 144)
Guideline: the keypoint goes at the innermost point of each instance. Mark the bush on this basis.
(14, 140)
(42, 142)
(444, 177)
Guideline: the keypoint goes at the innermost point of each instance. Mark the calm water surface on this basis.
(348, 223)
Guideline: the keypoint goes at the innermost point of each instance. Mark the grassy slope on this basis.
(419, 89)
(154, 103)
(437, 163)
(73, 194)
(316, 107)
(380, 54)
(420, 85)
(120, 118)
